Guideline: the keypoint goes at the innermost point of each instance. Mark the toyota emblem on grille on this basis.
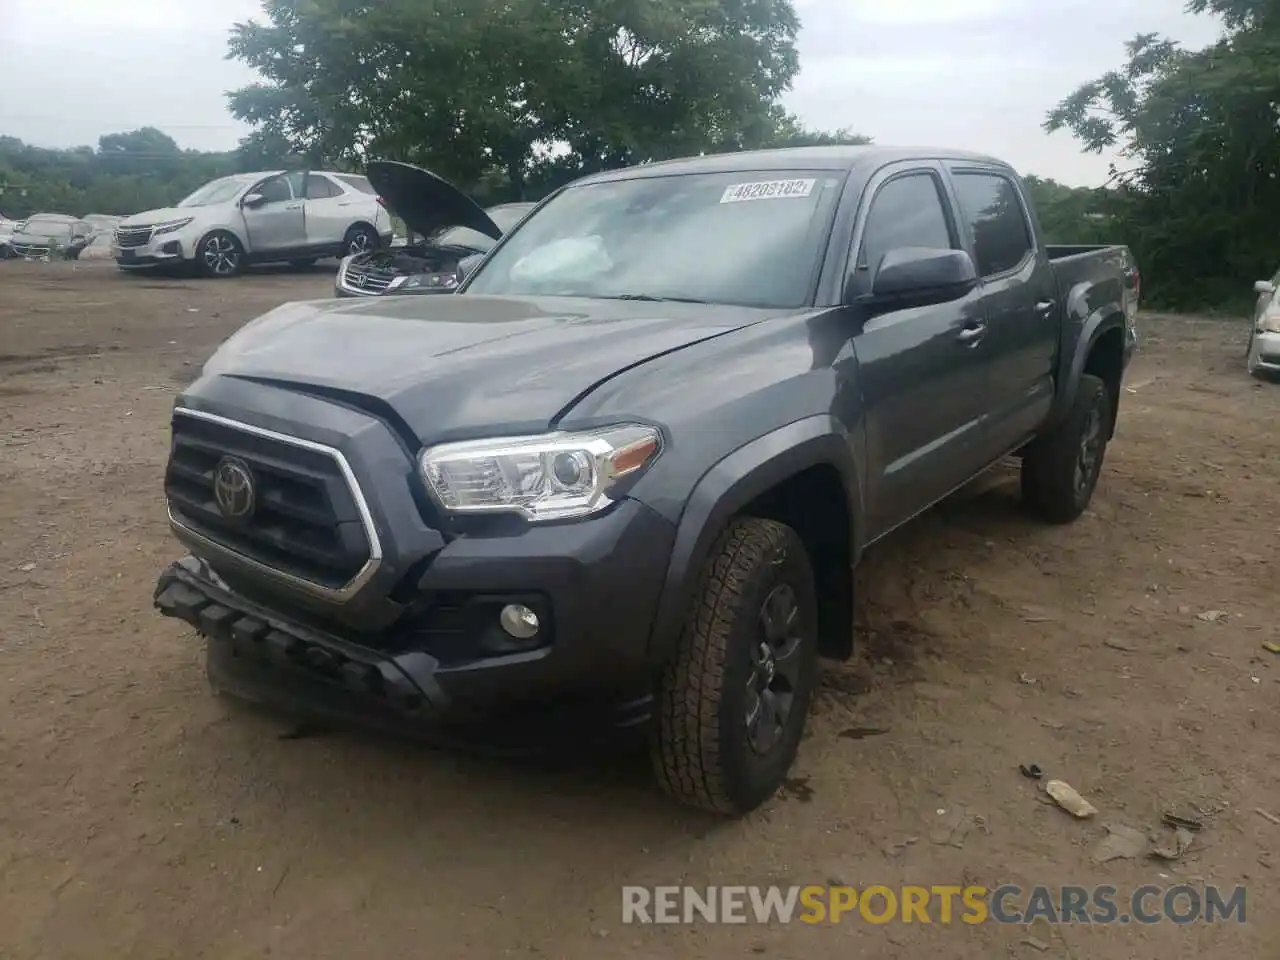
(233, 488)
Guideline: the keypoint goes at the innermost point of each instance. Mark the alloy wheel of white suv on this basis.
(220, 255)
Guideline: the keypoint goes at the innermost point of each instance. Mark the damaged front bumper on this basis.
(258, 656)
(255, 655)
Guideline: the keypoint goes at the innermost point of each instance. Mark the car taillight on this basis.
(382, 203)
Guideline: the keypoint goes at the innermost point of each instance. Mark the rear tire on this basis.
(1060, 470)
(359, 239)
(733, 701)
(219, 255)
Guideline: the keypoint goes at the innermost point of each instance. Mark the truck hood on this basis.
(426, 202)
(462, 366)
(161, 215)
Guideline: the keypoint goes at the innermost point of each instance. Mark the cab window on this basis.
(997, 221)
(906, 212)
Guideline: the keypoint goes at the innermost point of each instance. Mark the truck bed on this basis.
(1065, 251)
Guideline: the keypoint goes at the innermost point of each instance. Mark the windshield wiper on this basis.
(651, 299)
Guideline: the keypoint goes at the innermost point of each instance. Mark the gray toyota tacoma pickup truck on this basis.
(621, 479)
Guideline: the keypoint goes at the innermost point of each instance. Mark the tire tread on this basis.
(686, 748)
(1048, 467)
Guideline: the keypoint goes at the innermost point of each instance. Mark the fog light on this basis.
(519, 621)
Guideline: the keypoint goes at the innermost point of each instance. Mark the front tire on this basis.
(1060, 470)
(733, 701)
(219, 255)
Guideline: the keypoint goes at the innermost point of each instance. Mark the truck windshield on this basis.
(753, 238)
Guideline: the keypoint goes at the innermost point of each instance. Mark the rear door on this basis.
(279, 225)
(923, 370)
(1019, 302)
(330, 211)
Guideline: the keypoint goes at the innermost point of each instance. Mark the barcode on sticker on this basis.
(767, 190)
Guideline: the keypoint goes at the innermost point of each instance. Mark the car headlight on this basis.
(425, 281)
(172, 225)
(1269, 322)
(555, 476)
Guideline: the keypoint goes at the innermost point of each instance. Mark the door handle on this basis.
(1044, 306)
(971, 335)
(293, 206)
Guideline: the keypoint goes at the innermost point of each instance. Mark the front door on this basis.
(922, 370)
(1019, 299)
(279, 224)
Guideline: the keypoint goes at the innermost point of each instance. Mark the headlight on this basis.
(1269, 322)
(425, 281)
(554, 476)
(172, 225)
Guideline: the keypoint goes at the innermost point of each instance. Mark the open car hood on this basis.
(425, 202)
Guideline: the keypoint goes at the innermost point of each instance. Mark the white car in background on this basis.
(44, 235)
(273, 217)
(1263, 357)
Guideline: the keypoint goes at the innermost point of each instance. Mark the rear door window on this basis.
(357, 183)
(321, 188)
(997, 221)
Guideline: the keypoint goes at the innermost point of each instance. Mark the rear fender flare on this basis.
(732, 484)
(1101, 321)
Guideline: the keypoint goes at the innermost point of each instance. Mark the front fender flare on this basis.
(732, 484)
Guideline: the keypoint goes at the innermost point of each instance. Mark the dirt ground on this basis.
(142, 817)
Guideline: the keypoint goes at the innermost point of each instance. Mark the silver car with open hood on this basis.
(456, 233)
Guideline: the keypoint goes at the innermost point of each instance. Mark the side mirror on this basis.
(254, 200)
(1264, 286)
(467, 265)
(922, 275)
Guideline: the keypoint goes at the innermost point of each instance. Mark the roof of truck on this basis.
(840, 158)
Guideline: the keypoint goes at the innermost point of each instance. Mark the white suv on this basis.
(249, 218)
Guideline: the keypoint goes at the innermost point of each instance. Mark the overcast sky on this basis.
(974, 74)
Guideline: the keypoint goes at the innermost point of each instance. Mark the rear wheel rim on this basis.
(359, 242)
(775, 669)
(221, 256)
(1090, 453)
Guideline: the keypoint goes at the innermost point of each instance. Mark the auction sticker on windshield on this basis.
(767, 190)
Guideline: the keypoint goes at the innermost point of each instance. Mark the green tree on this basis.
(1199, 178)
(128, 172)
(517, 96)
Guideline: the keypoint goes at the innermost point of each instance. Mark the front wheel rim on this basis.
(775, 669)
(221, 256)
(359, 243)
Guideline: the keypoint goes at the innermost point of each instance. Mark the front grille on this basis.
(305, 520)
(31, 249)
(133, 236)
(368, 279)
